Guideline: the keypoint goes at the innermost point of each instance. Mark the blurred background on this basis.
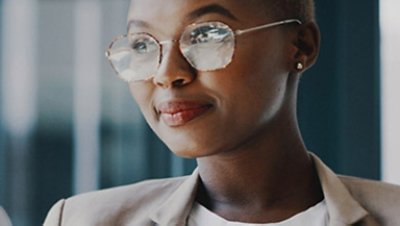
(68, 125)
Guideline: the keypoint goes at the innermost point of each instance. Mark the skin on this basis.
(251, 157)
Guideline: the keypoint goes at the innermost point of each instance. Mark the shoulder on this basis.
(4, 220)
(157, 189)
(377, 191)
(116, 204)
(378, 198)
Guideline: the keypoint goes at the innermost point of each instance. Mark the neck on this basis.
(272, 173)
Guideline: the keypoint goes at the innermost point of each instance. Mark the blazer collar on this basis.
(342, 207)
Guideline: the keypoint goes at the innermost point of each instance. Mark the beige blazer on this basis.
(167, 202)
(4, 220)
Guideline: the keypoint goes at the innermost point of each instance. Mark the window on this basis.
(390, 64)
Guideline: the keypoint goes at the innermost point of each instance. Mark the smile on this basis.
(179, 113)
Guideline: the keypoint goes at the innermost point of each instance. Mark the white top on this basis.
(314, 216)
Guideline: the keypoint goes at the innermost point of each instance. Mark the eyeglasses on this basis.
(206, 46)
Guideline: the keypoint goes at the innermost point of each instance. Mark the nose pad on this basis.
(174, 70)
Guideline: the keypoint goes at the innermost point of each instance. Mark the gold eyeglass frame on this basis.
(235, 33)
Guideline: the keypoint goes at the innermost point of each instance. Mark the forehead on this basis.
(173, 13)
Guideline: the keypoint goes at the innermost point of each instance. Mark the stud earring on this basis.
(299, 66)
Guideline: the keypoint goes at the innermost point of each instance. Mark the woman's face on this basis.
(206, 113)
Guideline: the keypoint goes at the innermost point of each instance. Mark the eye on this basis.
(143, 45)
(140, 47)
(209, 33)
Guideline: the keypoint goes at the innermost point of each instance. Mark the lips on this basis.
(178, 113)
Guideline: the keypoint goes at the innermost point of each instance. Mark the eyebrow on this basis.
(212, 8)
(138, 23)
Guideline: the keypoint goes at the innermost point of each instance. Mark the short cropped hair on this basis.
(303, 10)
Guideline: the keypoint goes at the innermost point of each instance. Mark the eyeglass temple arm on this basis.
(240, 32)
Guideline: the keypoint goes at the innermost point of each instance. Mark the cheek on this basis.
(265, 54)
(255, 74)
(254, 84)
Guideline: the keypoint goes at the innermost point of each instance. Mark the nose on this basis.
(174, 70)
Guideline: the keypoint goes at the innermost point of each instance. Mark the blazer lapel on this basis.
(342, 207)
(175, 210)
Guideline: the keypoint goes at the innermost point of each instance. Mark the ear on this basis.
(307, 45)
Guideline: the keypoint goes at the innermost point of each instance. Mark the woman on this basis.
(217, 81)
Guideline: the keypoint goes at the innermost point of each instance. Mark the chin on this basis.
(190, 141)
(186, 149)
(186, 154)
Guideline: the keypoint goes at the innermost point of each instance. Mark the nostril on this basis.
(173, 79)
(178, 82)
